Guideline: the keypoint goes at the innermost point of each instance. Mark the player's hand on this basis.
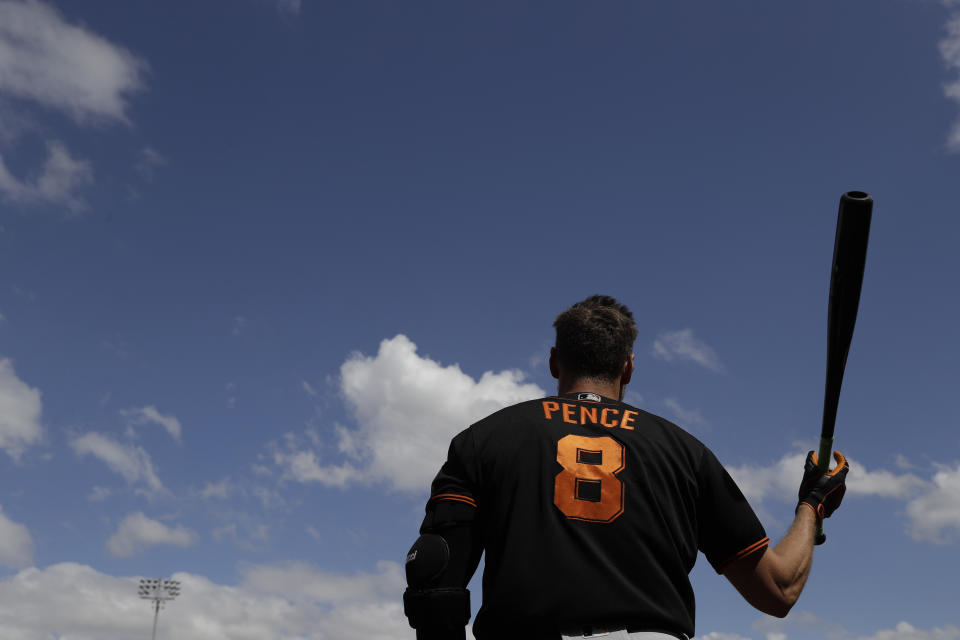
(820, 491)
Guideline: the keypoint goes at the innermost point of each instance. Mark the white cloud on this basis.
(406, 408)
(304, 466)
(683, 415)
(933, 507)
(289, 6)
(781, 479)
(99, 494)
(906, 631)
(684, 346)
(804, 623)
(882, 483)
(16, 544)
(64, 67)
(76, 600)
(903, 462)
(219, 490)
(308, 388)
(138, 532)
(239, 324)
(132, 462)
(14, 122)
(29, 295)
(281, 602)
(148, 161)
(226, 531)
(950, 51)
(935, 515)
(268, 498)
(303, 582)
(150, 415)
(57, 184)
(45, 60)
(20, 409)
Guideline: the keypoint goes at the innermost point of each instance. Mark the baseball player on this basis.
(591, 511)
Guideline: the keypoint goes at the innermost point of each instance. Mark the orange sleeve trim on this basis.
(455, 497)
(756, 546)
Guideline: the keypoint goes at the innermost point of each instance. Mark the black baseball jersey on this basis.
(591, 512)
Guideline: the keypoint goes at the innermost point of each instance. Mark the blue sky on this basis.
(261, 259)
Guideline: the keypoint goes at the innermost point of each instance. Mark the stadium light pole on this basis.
(160, 592)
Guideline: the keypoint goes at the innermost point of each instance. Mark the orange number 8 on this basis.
(587, 488)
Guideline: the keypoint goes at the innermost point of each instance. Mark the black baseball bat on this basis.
(846, 280)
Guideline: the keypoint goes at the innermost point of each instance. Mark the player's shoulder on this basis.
(667, 429)
(654, 419)
(526, 409)
(499, 426)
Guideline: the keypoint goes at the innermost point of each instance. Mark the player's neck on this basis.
(605, 388)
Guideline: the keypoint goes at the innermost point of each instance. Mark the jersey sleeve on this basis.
(453, 493)
(728, 528)
(451, 512)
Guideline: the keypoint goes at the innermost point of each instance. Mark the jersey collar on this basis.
(587, 396)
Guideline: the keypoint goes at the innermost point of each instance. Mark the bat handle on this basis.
(823, 463)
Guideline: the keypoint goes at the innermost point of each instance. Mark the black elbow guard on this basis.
(437, 611)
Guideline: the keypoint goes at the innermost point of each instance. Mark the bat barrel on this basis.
(846, 279)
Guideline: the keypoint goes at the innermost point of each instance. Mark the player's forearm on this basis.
(773, 581)
(794, 557)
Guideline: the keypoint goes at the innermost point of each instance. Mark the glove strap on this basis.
(819, 537)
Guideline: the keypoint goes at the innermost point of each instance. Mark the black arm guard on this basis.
(441, 612)
(436, 610)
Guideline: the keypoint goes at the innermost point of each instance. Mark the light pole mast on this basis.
(160, 592)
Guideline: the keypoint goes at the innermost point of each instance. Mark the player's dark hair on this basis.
(595, 337)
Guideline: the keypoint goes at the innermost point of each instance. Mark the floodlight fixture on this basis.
(159, 591)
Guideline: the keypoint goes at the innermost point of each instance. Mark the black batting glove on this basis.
(821, 491)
